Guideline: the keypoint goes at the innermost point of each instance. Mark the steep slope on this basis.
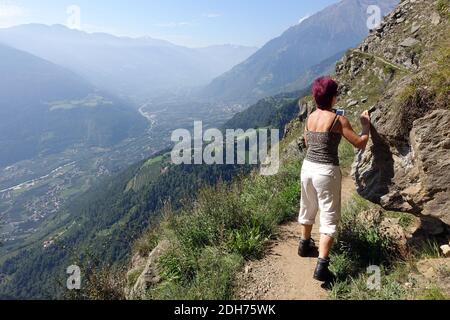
(46, 108)
(197, 253)
(284, 59)
(402, 73)
(104, 222)
(141, 67)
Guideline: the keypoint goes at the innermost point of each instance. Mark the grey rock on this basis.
(352, 103)
(415, 28)
(150, 275)
(409, 42)
(435, 19)
(445, 250)
(413, 176)
(380, 29)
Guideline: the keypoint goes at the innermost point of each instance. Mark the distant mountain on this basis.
(45, 108)
(140, 68)
(285, 59)
(224, 57)
(326, 67)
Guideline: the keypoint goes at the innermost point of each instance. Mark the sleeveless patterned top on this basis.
(323, 147)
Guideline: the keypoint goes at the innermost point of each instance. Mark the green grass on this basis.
(357, 288)
(145, 244)
(433, 293)
(389, 70)
(442, 7)
(361, 243)
(134, 276)
(405, 220)
(430, 249)
(346, 154)
(226, 226)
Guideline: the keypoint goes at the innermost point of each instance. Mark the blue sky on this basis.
(185, 22)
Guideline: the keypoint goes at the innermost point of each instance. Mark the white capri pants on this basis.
(321, 190)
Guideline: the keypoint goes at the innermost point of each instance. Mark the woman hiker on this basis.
(321, 176)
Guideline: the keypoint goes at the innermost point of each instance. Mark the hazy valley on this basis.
(85, 127)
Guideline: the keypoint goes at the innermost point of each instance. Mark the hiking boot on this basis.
(306, 248)
(323, 273)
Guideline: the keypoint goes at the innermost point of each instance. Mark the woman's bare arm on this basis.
(358, 141)
(305, 136)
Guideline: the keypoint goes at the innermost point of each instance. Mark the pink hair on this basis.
(324, 90)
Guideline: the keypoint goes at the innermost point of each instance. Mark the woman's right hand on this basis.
(365, 119)
(358, 141)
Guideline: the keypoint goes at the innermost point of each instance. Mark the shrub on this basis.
(361, 242)
(361, 237)
(144, 245)
(100, 283)
(389, 70)
(227, 224)
(248, 242)
(134, 276)
(178, 264)
(357, 289)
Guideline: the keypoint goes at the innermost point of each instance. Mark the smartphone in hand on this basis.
(340, 112)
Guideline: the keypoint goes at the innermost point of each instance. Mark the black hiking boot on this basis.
(306, 248)
(323, 273)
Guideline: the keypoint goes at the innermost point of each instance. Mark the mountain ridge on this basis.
(283, 59)
(133, 67)
(60, 109)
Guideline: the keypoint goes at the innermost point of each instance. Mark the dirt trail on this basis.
(282, 274)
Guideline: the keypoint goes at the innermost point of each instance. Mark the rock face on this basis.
(413, 178)
(406, 166)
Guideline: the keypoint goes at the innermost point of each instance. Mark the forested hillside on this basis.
(59, 110)
(104, 222)
(273, 112)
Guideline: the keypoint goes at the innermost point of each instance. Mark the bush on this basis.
(248, 242)
(226, 225)
(361, 237)
(357, 289)
(100, 283)
(361, 242)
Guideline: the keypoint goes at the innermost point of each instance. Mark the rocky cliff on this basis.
(401, 72)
